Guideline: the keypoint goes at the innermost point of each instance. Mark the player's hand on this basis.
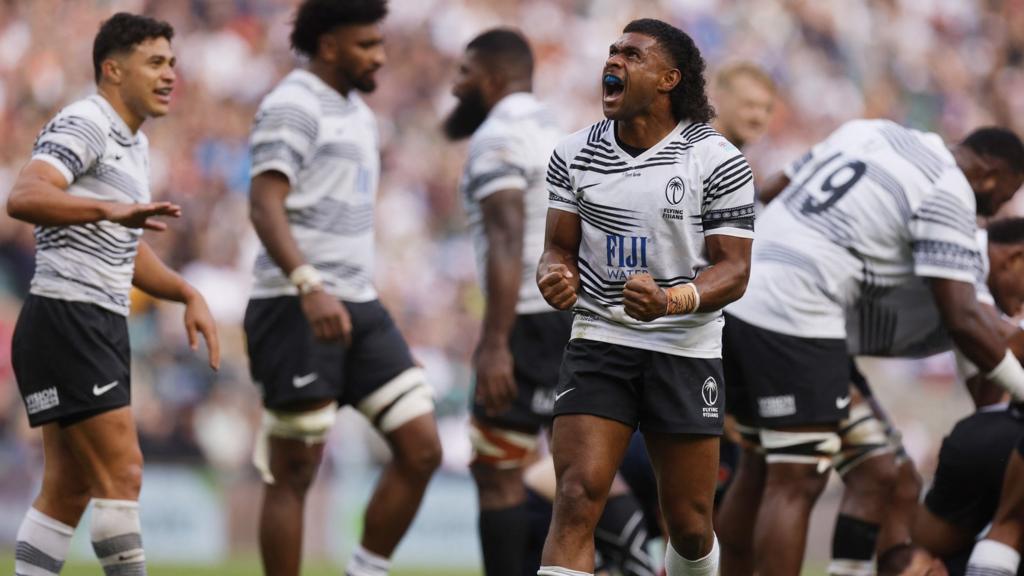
(327, 316)
(142, 215)
(644, 299)
(558, 286)
(495, 380)
(198, 320)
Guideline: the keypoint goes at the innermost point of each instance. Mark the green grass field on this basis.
(234, 568)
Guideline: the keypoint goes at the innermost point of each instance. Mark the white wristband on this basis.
(306, 278)
(1009, 374)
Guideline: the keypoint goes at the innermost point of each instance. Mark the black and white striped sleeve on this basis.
(72, 142)
(943, 234)
(727, 205)
(283, 136)
(561, 195)
(494, 164)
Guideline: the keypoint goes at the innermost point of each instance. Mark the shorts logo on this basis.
(42, 400)
(776, 406)
(843, 402)
(674, 190)
(98, 390)
(303, 381)
(709, 391)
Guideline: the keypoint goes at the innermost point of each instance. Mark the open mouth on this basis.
(614, 86)
(164, 94)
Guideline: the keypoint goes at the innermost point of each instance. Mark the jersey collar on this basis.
(625, 156)
(117, 124)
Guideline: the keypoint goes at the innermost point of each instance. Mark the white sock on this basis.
(676, 565)
(366, 563)
(117, 537)
(991, 558)
(847, 567)
(42, 546)
(559, 571)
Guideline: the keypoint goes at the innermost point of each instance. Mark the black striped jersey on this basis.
(867, 209)
(510, 150)
(101, 159)
(327, 146)
(650, 213)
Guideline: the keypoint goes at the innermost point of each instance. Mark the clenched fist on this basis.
(644, 299)
(558, 285)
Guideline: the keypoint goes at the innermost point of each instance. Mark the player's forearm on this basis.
(153, 277)
(976, 332)
(722, 284)
(36, 201)
(271, 223)
(504, 276)
(554, 254)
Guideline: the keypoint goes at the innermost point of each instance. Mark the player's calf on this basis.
(497, 468)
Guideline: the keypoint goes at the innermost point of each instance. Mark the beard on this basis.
(467, 116)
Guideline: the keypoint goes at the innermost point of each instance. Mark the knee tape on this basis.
(500, 448)
(398, 402)
(813, 448)
(311, 427)
(863, 436)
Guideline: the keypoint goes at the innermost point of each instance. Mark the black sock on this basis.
(503, 537)
(853, 546)
(621, 535)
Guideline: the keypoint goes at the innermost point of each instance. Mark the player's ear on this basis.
(327, 47)
(112, 70)
(669, 80)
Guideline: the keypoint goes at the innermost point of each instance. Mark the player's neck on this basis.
(325, 73)
(644, 131)
(131, 119)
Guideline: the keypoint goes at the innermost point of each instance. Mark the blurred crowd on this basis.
(941, 65)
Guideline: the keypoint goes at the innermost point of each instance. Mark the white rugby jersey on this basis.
(327, 146)
(906, 322)
(101, 159)
(510, 150)
(866, 210)
(649, 214)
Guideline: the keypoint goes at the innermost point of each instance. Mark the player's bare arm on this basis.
(723, 282)
(975, 329)
(326, 315)
(153, 277)
(773, 187)
(983, 391)
(503, 215)
(39, 196)
(558, 274)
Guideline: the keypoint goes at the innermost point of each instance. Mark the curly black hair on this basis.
(318, 17)
(122, 32)
(689, 97)
(996, 142)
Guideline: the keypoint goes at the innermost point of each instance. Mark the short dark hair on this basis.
(689, 97)
(315, 18)
(122, 32)
(996, 142)
(507, 48)
(895, 560)
(1006, 231)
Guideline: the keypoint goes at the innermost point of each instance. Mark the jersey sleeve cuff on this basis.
(499, 184)
(274, 166)
(69, 177)
(926, 271)
(729, 231)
